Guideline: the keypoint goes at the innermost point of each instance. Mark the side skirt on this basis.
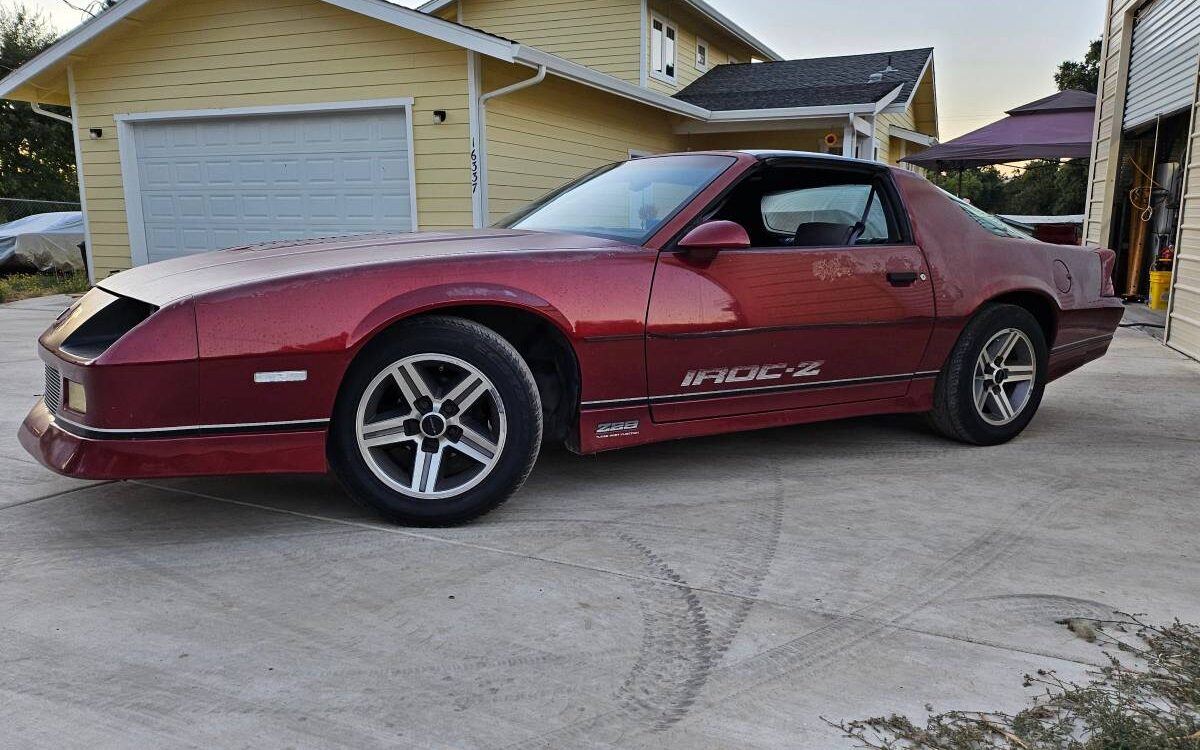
(610, 428)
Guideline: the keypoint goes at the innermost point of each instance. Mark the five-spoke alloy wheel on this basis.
(431, 426)
(1005, 372)
(992, 383)
(438, 422)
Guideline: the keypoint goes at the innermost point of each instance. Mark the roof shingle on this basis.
(823, 81)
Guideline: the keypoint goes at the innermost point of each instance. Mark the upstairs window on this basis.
(663, 37)
(701, 55)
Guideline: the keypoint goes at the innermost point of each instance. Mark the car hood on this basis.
(170, 280)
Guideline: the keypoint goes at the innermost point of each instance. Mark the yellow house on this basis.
(201, 125)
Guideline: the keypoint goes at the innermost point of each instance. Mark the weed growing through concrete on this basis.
(1146, 698)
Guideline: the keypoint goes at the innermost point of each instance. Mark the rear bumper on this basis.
(59, 449)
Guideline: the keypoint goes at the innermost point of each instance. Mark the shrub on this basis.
(26, 285)
(1147, 697)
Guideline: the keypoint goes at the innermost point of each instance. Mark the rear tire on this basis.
(993, 381)
(437, 422)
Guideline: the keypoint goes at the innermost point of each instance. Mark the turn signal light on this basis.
(76, 397)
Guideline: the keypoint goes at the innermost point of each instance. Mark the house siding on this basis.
(891, 150)
(601, 34)
(786, 140)
(721, 47)
(1183, 332)
(545, 136)
(248, 53)
(1114, 74)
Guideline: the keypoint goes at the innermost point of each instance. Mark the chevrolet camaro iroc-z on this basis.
(659, 298)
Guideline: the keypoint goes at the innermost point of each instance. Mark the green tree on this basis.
(37, 154)
(1081, 76)
(984, 187)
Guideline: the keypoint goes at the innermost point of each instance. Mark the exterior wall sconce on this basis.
(439, 116)
(96, 133)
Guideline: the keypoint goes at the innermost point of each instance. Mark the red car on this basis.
(659, 298)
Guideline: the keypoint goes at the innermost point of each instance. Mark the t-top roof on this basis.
(822, 81)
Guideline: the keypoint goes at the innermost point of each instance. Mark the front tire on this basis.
(437, 422)
(993, 382)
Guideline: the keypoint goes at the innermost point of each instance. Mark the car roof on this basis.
(765, 154)
(768, 154)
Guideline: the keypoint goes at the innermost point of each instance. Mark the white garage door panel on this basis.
(206, 184)
(1162, 63)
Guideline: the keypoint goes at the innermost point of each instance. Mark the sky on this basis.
(991, 55)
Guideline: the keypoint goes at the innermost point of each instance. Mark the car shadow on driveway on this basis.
(632, 473)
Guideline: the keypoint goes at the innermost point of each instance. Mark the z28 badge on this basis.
(750, 373)
(609, 429)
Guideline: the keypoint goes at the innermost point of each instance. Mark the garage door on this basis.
(1162, 62)
(211, 183)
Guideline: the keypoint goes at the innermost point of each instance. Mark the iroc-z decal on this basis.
(750, 374)
(612, 429)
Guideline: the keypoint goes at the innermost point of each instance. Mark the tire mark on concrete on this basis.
(744, 568)
(824, 644)
(682, 639)
(676, 655)
(821, 646)
(672, 665)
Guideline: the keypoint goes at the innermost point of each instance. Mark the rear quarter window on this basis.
(988, 221)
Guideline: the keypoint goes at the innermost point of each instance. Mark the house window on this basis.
(701, 55)
(662, 50)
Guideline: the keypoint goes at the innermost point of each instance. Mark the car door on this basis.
(832, 303)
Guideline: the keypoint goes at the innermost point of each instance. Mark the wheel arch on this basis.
(1042, 307)
(537, 330)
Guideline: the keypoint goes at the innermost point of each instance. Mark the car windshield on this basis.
(628, 201)
(993, 224)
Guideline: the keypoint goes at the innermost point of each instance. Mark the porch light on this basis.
(439, 116)
(76, 397)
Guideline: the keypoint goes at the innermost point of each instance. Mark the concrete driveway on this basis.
(714, 593)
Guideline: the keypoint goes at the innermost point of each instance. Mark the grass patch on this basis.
(1147, 697)
(26, 285)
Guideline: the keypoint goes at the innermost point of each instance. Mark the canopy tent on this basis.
(1057, 127)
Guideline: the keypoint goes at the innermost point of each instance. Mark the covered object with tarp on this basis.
(1057, 127)
(43, 242)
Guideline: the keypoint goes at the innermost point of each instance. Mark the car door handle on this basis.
(902, 278)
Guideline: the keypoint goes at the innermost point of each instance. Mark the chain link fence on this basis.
(12, 209)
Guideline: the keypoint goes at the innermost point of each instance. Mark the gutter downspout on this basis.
(482, 148)
(86, 249)
(52, 115)
(528, 82)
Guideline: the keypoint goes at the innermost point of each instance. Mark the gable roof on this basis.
(822, 81)
(383, 10)
(53, 62)
(701, 7)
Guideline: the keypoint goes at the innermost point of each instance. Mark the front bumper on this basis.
(67, 453)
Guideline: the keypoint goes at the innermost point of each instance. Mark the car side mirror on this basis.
(712, 236)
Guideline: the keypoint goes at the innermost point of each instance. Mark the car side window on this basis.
(791, 205)
(786, 211)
